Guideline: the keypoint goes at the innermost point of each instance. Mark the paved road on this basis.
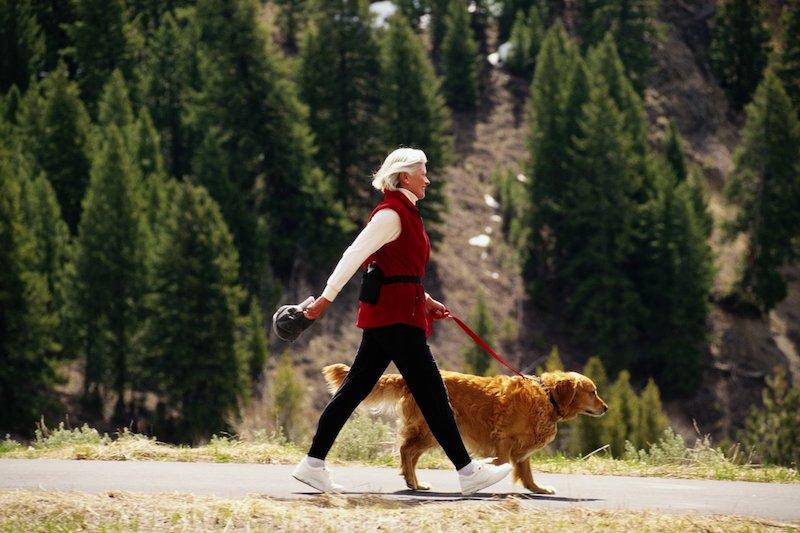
(767, 500)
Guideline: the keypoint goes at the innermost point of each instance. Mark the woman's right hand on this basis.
(316, 309)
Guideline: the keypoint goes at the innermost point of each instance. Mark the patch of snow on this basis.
(484, 255)
(495, 275)
(522, 178)
(487, 230)
(482, 241)
(504, 50)
(382, 11)
(501, 56)
(496, 218)
(491, 202)
(425, 21)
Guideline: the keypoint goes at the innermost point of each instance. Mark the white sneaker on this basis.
(316, 477)
(483, 476)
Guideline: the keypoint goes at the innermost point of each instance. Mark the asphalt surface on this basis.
(773, 501)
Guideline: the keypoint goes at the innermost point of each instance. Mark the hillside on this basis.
(741, 351)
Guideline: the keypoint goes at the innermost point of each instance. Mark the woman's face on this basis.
(416, 181)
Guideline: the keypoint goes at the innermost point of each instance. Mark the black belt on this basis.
(401, 279)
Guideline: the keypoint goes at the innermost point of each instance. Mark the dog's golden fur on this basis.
(506, 417)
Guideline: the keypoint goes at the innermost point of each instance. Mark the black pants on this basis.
(407, 347)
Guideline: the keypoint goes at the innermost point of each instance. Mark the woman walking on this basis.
(395, 323)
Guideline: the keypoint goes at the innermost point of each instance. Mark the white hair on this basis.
(401, 160)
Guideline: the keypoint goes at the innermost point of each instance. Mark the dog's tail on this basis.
(386, 393)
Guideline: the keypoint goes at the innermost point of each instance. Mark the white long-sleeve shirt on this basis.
(382, 228)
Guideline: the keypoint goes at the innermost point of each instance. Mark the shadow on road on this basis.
(416, 497)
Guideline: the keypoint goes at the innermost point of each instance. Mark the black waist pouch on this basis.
(371, 281)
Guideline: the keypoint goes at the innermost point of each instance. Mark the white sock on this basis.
(467, 470)
(314, 462)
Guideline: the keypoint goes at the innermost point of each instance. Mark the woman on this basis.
(395, 328)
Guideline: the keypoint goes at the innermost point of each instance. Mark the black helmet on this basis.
(289, 322)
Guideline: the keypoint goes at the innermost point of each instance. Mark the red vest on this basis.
(399, 303)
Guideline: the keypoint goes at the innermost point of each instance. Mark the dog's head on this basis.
(575, 394)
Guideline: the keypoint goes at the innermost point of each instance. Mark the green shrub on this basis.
(364, 439)
(289, 405)
(9, 445)
(47, 438)
(772, 433)
(671, 449)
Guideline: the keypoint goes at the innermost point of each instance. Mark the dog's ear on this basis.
(564, 391)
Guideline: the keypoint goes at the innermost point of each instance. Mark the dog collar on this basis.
(556, 408)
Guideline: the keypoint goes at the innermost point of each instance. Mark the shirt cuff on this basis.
(330, 293)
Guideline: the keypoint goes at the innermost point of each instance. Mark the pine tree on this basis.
(509, 10)
(103, 40)
(53, 17)
(620, 423)
(26, 325)
(148, 14)
(339, 74)
(192, 331)
(60, 143)
(287, 399)
(537, 23)
(22, 46)
(151, 165)
(11, 105)
(788, 67)
(414, 112)
(520, 60)
(597, 239)
(587, 435)
(673, 151)
(553, 362)
(476, 360)
(739, 48)
(766, 187)
(438, 27)
(652, 421)
(108, 277)
(169, 74)
(548, 149)
(676, 280)
(115, 108)
(148, 145)
(632, 28)
(255, 343)
(412, 10)
(291, 19)
(604, 61)
(772, 432)
(41, 214)
(459, 59)
(266, 151)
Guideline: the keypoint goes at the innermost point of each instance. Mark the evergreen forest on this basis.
(171, 172)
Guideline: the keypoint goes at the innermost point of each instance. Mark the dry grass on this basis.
(31, 511)
(368, 443)
(689, 470)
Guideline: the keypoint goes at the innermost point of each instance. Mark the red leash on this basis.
(499, 358)
(480, 342)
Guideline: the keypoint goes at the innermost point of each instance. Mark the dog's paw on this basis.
(421, 485)
(544, 489)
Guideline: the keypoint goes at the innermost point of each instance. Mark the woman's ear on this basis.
(564, 391)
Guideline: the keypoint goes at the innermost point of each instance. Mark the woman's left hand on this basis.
(435, 309)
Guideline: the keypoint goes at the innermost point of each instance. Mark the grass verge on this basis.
(40, 511)
(372, 442)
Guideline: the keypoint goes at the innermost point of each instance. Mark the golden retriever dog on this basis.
(505, 417)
